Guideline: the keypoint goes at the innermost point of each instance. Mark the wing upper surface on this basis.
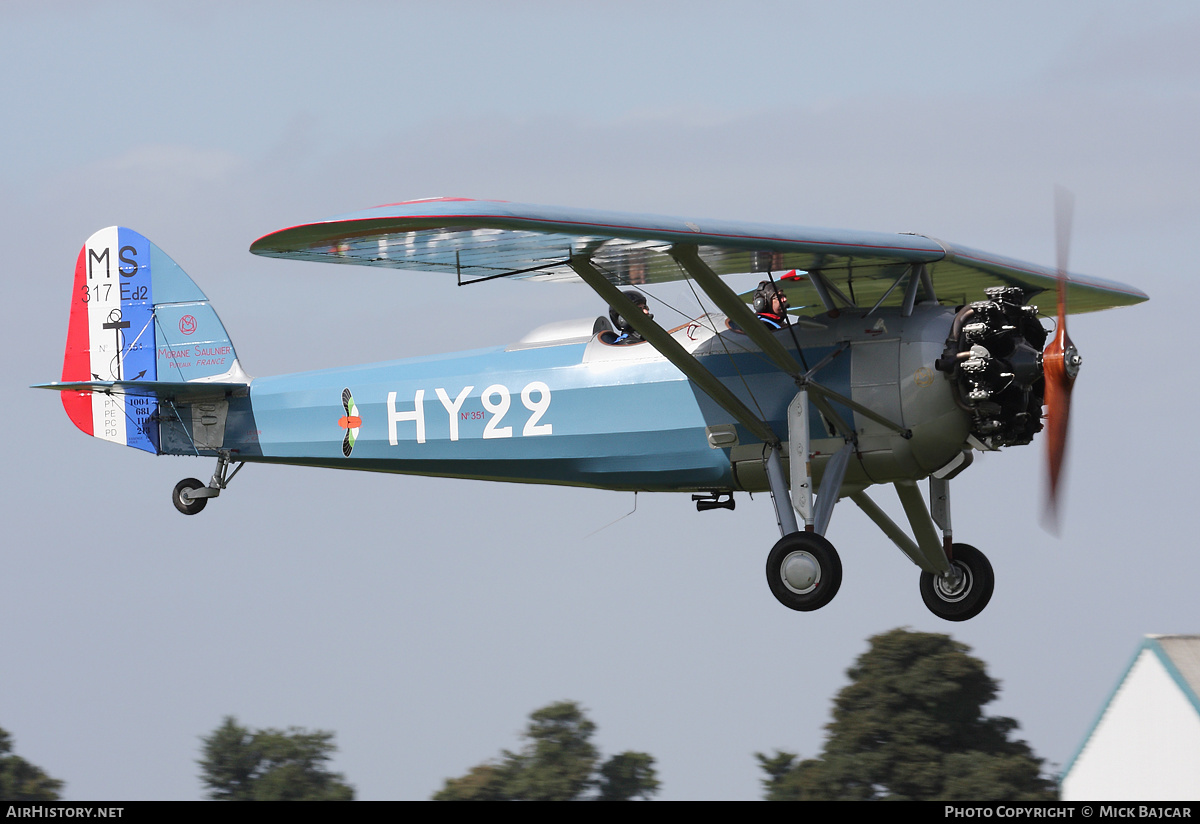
(480, 239)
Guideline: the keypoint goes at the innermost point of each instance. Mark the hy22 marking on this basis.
(496, 400)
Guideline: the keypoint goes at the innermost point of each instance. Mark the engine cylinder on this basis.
(994, 359)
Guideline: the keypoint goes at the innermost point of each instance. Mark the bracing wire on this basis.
(724, 344)
(787, 320)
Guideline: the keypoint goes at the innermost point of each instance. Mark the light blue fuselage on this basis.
(582, 412)
(629, 426)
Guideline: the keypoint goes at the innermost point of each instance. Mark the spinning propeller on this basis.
(1061, 362)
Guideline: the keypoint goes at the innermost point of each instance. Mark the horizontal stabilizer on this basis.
(159, 390)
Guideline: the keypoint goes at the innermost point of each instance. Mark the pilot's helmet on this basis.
(764, 294)
(638, 300)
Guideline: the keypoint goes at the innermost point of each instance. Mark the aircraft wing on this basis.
(478, 239)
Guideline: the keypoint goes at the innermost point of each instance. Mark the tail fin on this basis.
(136, 316)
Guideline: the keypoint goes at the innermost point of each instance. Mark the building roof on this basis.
(1183, 652)
(1179, 656)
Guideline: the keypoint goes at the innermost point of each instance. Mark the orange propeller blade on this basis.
(1060, 363)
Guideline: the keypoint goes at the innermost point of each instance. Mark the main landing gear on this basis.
(956, 579)
(963, 595)
(804, 571)
(190, 495)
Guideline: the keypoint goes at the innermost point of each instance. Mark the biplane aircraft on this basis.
(900, 357)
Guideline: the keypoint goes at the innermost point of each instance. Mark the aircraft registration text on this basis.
(496, 400)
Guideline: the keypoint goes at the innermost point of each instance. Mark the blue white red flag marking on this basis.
(111, 336)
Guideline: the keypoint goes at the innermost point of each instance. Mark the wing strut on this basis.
(733, 306)
(826, 291)
(672, 351)
(906, 273)
(910, 292)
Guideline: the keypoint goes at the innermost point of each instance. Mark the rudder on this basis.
(137, 316)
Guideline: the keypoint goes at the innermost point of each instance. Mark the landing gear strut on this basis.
(804, 571)
(956, 579)
(190, 495)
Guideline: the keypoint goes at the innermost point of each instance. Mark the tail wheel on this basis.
(964, 598)
(804, 571)
(183, 501)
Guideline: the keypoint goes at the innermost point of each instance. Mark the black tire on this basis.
(192, 505)
(804, 571)
(976, 590)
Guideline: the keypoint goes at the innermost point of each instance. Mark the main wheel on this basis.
(967, 598)
(804, 571)
(183, 501)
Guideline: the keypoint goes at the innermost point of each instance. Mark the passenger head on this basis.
(638, 300)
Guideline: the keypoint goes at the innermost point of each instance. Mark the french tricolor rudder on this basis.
(136, 318)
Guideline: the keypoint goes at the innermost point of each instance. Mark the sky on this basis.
(422, 620)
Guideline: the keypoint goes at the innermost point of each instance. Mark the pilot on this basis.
(771, 305)
(627, 333)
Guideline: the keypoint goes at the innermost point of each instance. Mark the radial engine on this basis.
(994, 359)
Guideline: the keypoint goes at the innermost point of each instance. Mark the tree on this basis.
(627, 776)
(270, 765)
(910, 726)
(557, 763)
(485, 782)
(22, 781)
